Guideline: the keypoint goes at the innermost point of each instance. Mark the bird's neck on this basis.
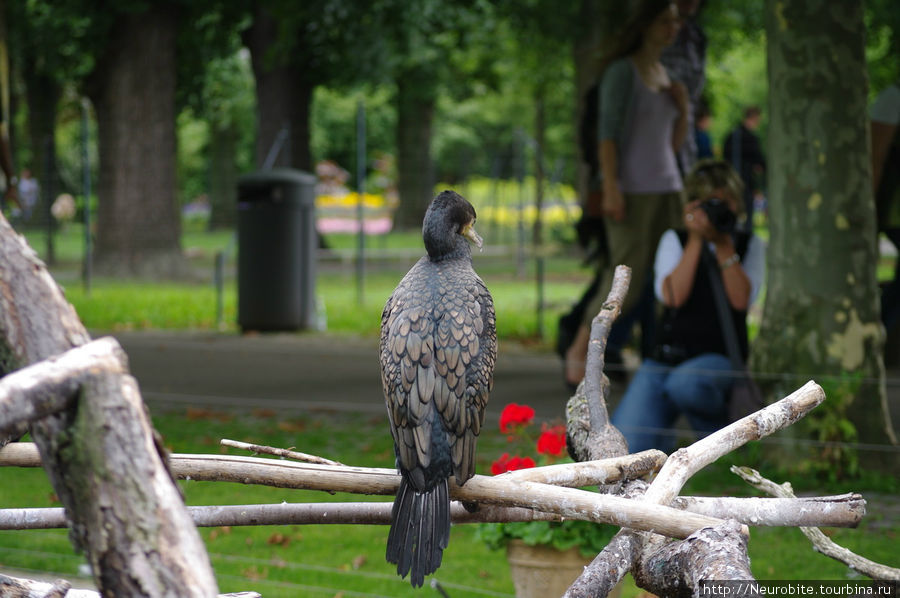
(445, 248)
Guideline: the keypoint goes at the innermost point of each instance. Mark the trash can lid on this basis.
(277, 175)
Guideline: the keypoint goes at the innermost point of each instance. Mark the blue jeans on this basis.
(658, 393)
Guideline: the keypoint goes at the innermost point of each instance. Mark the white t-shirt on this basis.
(670, 250)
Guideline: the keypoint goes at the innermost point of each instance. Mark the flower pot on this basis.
(543, 571)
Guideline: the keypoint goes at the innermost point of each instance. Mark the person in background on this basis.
(686, 62)
(690, 370)
(743, 150)
(885, 118)
(642, 123)
(702, 124)
(28, 194)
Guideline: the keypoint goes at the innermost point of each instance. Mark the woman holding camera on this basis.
(690, 371)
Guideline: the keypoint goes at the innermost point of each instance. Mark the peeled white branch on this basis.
(568, 502)
(366, 513)
(820, 541)
(49, 386)
(832, 511)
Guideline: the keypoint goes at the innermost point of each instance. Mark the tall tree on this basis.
(133, 91)
(295, 48)
(821, 313)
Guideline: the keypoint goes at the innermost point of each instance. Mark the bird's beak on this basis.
(469, 233)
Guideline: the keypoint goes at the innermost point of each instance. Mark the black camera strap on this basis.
(726, 322)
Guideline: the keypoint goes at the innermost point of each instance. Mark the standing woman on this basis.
(643, 122)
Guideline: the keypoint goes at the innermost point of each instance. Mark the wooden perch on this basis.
(820, 541)
(502, 491)
(831, 511)
(50, 386)
(366, 513)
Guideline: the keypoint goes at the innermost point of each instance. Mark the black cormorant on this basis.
(438, 348)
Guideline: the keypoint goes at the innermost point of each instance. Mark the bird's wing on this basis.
(408, 379)
(464, 355)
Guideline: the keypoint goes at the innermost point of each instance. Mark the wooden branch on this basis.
(29, 588)
(593, 473)
(614, 559)
(600, 327)
(820, 541)
(679, 568)
(364, 513)
(50, 386)
(845, 510)
(126, 513)
(278, 452)
(832, 511)
(568, 502)
(685, 462)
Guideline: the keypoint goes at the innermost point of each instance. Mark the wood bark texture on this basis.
(821, 312)
(125, 510)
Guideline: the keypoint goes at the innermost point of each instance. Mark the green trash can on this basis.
(277, 247)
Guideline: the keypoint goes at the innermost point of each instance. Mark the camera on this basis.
(719, 214)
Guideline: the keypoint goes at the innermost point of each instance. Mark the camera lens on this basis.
(720, 216)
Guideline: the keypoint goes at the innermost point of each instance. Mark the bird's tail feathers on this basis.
(420, 530)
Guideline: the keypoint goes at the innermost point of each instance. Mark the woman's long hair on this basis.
(641, 14)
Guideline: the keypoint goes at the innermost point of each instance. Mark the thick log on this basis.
(678, 569)
(126, 513)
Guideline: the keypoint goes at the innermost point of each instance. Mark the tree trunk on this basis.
(223, 178)
(821, 314)
(283, 98)
(133, 91)
(415, 172)
(43, 93)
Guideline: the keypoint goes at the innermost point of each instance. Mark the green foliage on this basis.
(830, 425)
(590, 538)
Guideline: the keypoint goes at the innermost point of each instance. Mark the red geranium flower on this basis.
(552, 441)
(515, 416)
(506, 463)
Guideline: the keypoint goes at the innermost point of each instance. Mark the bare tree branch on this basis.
(568, 502)
(278, 452)
(845, 510)
(50, 386)
(589, 433)
(831, 511)
(820, 541)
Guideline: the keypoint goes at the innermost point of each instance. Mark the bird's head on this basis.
(449, 226)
